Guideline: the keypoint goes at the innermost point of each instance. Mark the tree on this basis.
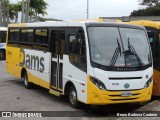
(152, 9)
(38, 7)
(149, 11)
(14, 9)
(4, 15)
(149, 2)
(30, 9)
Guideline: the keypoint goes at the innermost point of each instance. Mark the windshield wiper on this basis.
(131, 48)
(115, 55)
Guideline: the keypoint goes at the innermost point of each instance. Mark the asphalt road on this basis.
(14, 97)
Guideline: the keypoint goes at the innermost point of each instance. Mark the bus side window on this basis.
(77, 50)
(62, 42)
(11, 35)
(41, 36)
(14, 36)
(17, 35)
(30, 35)
(41, 39)
(55, 44)
(23, 35)
(3, 36)
(27, 35)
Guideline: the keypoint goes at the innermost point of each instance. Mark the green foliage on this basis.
(37, 8)
(149, 11)
(149, 2)
(14, 9)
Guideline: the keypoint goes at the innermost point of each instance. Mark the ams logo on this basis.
(32, 61)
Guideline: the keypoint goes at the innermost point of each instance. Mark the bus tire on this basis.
(27, 84)
(72, 96)
(2, 54)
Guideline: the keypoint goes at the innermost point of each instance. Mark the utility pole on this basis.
(4, 12)
(27, 5)
(22, 17)
(87, 9)
(28, 10)
(7, 13)
(1, 13)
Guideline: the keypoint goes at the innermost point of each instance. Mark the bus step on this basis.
(56, 93)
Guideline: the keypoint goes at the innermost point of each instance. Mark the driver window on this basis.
(77, 50)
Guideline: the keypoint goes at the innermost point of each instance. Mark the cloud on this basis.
(76, 9)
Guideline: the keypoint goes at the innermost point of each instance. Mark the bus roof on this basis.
(72, 24)
(146, 23)
(3, 28)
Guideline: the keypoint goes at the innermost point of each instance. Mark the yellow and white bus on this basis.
(3, 33)
(153, 30)
(91, 62)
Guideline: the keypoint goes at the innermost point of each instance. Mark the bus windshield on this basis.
(3, 36)
(119, 47)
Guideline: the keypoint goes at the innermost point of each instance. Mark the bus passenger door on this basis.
(57, 38)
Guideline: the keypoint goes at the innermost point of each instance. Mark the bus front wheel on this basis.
(73, 97)
(27, 84)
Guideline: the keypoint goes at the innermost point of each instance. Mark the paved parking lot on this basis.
(14, 97)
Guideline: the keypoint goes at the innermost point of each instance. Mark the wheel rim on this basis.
(73, 97)
(25, 80)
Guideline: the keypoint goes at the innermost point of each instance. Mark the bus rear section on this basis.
(94, 63)
(152, 29)
(3, 31)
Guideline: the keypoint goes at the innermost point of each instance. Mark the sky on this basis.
(76, 9)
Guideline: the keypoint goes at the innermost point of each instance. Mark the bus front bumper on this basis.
(104, 97)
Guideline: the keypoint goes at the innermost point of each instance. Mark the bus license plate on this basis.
(126, 94)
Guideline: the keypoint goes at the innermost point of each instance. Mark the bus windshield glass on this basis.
(3, 36)
(119, 47)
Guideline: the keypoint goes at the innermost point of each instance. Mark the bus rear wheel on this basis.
(73, 97)
(27, 84)
(2, 54)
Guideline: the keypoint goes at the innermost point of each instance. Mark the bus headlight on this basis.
(148, 83)
(98, 83)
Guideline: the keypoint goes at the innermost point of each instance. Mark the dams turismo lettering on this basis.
(32, 61)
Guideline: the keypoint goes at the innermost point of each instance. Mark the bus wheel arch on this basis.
(67, 87)
(24, 77)
(23, 71)
(71, 92)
